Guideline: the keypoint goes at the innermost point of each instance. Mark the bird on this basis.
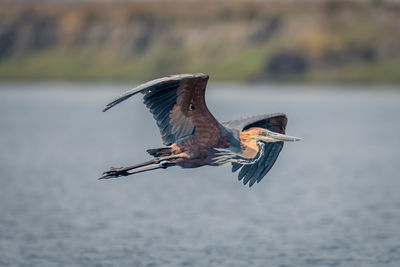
(192, 137)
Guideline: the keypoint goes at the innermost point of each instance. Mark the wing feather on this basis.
(273, 155)
(236, 166)
(260, 165)
(177, 103)
(243, 171)
(275, 122)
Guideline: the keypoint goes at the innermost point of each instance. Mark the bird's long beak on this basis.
(277, 137)
(283, 137)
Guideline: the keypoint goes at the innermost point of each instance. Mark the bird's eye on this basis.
(191, 107)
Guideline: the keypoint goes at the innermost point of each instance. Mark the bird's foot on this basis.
(114, 173)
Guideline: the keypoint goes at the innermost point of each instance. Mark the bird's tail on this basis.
(159, 152)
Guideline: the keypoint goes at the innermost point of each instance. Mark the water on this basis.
(330, 200)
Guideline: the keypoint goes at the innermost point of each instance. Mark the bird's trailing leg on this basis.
(116, 174)
(125, 171)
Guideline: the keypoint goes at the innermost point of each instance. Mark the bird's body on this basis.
(194, 138)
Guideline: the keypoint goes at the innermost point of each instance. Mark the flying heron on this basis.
(194, 138)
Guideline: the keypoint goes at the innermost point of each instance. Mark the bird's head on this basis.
(267, 136)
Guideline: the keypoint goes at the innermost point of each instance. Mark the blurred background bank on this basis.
(308, 41)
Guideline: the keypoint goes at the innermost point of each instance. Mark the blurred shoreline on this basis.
(214, 86)
(326, 42)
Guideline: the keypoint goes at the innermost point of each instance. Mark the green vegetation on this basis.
(328, 42)
(380, 72)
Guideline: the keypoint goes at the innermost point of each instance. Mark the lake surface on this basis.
(332, 199)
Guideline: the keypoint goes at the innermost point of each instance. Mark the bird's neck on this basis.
(249, 147)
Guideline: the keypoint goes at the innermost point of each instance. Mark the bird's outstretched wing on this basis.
(275, 122)
(178, 105)
(251, 173)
